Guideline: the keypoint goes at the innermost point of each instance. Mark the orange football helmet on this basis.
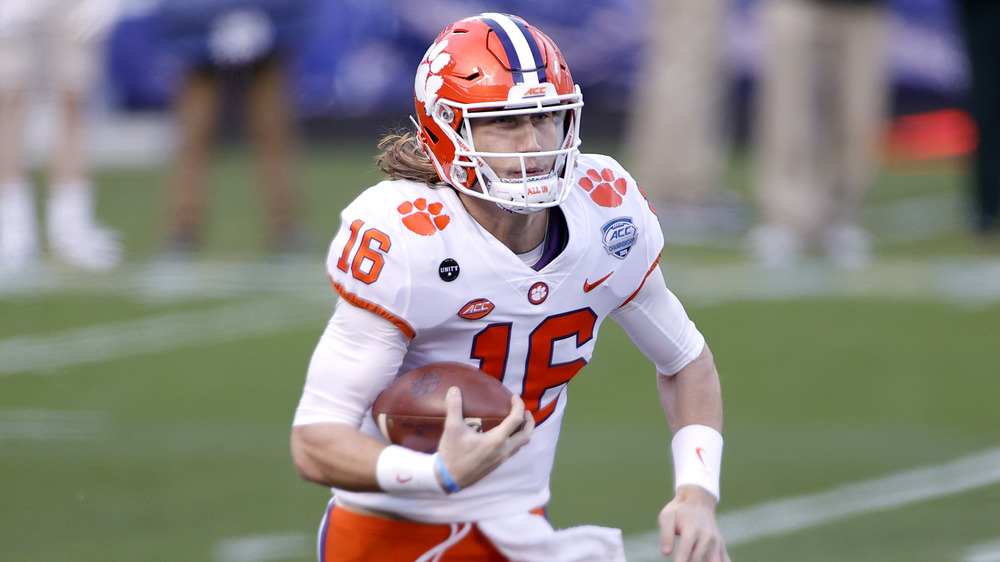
(493, 65)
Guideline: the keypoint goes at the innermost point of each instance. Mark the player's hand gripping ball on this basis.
(411, 411)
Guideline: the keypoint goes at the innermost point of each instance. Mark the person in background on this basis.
(677, 127)
(50, 50)
(494, 242)
(821, 102)
(981, 26)
(242, 48)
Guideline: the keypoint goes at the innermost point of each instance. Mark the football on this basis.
(411, 411)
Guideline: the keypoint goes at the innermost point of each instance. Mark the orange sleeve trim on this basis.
(372, 307)
(651, 268)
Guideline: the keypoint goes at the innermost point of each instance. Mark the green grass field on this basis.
(144, 412)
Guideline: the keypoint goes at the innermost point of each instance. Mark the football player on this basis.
(494, 242)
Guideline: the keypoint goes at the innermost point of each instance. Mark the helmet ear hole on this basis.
(447, 117)
(445, 113)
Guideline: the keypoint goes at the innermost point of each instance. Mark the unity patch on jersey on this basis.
(619, 235)
(448, 270)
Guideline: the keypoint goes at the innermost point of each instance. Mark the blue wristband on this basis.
(442, 470)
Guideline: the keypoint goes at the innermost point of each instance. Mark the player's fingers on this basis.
(529, 423)
(717, 554)
(685, 548)
(453, 408)
(701, 548)
(667, 536)
(517, 426)
(523, 434)
(512, 423)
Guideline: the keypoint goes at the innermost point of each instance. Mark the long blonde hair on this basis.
(402, 158)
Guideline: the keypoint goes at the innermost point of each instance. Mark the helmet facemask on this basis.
(528, 193)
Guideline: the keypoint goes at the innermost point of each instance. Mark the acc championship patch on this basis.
(619, 235)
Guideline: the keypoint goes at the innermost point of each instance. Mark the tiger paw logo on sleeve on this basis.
(423, 218)
(604, 188)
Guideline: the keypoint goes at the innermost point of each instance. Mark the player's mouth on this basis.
(529, 172)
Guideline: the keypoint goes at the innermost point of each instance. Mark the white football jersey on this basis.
(415, 256)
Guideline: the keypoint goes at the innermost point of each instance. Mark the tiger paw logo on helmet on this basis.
(422, 218)
(604, 188)
(429, 81)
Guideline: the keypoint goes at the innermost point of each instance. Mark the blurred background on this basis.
(351, 61)
(823, 171)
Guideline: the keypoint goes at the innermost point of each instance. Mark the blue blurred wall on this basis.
(355, 58)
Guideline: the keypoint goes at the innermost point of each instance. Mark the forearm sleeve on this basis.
(357, 356)
(659, 326)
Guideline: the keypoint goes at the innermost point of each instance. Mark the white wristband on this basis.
(697, 451)
(404, 471)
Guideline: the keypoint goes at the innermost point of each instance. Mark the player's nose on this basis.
(527, 136)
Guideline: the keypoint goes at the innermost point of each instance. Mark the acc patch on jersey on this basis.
(619, 235)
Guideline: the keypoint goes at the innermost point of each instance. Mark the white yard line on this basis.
(804, 512)
(942, 279)
(49, 425)
(45, 354)
(967, 282)
(173, 281)
(260, 548)
(294, 295)
(986, 552)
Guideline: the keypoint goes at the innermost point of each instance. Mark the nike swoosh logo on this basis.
(699, 451)
(588, 287)
(404, 479)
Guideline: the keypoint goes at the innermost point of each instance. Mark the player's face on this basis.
(518, 134)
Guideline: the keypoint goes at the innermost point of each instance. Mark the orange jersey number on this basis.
(369, 259)
(492, 347)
